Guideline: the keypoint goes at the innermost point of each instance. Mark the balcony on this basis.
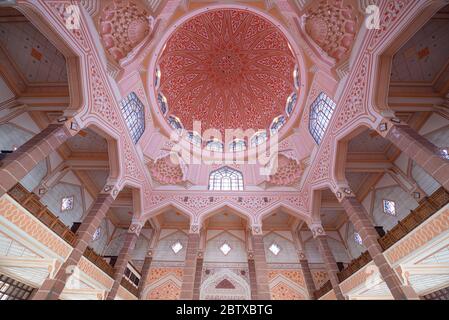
(426, 208)
(32, 204)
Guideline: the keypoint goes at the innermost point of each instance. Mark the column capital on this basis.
(110, 189)
(302, 255)
(195, 228)
(386, 124)
(71, 126)
(317, 230)
(343, 192)
(256, 230)
(135, 227)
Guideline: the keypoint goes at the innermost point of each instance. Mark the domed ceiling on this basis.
(227, 68)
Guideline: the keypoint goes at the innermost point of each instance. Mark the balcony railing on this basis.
(32, 203)
(426, 208)
(325, 288)
(98, 260)
(129, 286)
(355, 265)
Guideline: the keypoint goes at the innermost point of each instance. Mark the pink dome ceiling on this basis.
(227, 68)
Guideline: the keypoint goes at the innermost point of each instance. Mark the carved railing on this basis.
(98, 260)
(354, 266)
(32, 203)
(325, 288)
(125, 283)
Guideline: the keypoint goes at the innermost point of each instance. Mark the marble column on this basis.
(328, 258)
(362, 224)
(52, 287)
(16, 165)
(123, 258)
(433, 160)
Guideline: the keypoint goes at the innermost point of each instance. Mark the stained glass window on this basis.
(133, 112)
(320, 114)
(67, 203)
(214, 145)
(277, 124)
(291, 101)
(296, 77)
(389, 207)
(175, 123)
(259, 138)
(162, 101)
(237, 145)
(194, 138)
(157, 79)
(226, 179)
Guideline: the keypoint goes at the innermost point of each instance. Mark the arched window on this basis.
(194, 138)
(320, 114)
(226, 179)
(277, 124)
(296, 77)
(157, 80)
(162, 101)
(175, 123)
(258, 138)
(291, 101)
(237, 145)
(133, 112)
(214, 145)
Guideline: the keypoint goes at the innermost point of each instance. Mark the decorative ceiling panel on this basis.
(227, 68)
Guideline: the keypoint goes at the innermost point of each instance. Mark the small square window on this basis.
(275, 249)
(358, 238)
(176, 247)
(389, 207)
(225, 248)
(67, 203)
(96, 234)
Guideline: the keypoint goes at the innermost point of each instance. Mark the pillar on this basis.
(144, 274)
(329, 261)
(147, 262)
(260, 265)
(15, 166)
(362, 224)
(52, 287)
(190, 266)
(308, 278)
(123, 258)
(428, 156)
(252, 276)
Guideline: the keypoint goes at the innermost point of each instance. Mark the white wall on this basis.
(216, 238)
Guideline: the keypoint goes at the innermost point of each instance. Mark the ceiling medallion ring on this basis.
(226, 73)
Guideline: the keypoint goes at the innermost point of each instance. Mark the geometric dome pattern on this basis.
(227, 68)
